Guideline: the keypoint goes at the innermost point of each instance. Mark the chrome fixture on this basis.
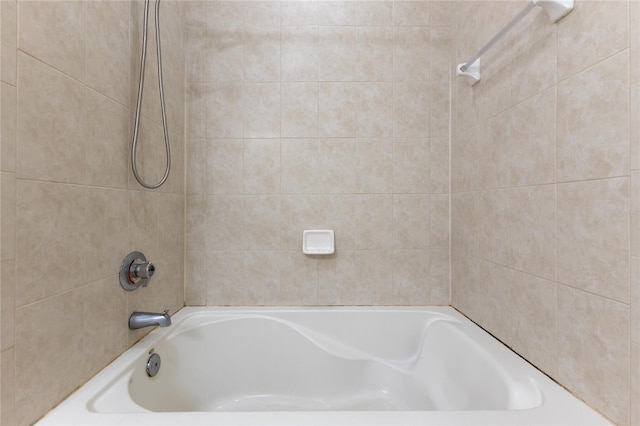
(135, 271)
(149, 319)
(143, 60)
(153, 365)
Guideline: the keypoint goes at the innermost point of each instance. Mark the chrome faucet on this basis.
(149, 319)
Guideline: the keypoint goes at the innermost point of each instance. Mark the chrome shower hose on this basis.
(143, 60)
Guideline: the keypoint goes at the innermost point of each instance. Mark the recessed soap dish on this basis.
(318, 242)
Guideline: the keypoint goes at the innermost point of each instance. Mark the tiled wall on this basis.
(71, 209)
(317, 115)
(546, 189)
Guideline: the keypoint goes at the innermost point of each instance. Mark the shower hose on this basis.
(134, 146)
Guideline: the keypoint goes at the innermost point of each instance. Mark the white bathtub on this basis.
(321, 366)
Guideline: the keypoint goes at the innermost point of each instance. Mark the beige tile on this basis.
(594, 351)
(224, 166)
(362, 277)
(196, 162)
(300, 212)
(223, 109)
(337, 53)
(299, 47)
(634, 213)
(262, 13)
(196, 116)
(410, 56)
(593, 107)
(635, 383)
(261, 166)
(261, 115)
(374, 165)
(593, 237)
(55, 32)
(7, 307)
(108, 144)
(336, 165)
(535, 53)
(170, 224)
(411, 110)
(582, 44)
(221, 57)
(411, 166)
(175, 183)
(374, 13)
(532, 148)
(439, 166)
(634, 130)
(226, 285)
(493, 226)
(45, 381)
(493, 152)
(336, 12)
(439, 224)
(298, 278)
(440, 63)
(299, 165)
(340, 213)
(375, 222)
(635, 300)
(198, 276)
(374, 118)
(533, 302)
(442, 13)
(52, 220)
(337, 104)
(223, 13)
(8, 216)
(299, 12)
(464, 222)
(195, 13)
(261, 278)
(411, 13)
(195, 53)
(532, 227)
(634, 42)
(262, 54)
(464, 279)
(103, 236)
(8, 131)
(411, 221)
(7, 387)
(411, 277)
(440, 276)
(493, 309)
(107, 55)
(57, 104)
(299, 111)
(105, 316)
(225, 226)
(9, 35)
(464, 164)
(195, 222)
(375, 54)
(143, 223)
(262, 222)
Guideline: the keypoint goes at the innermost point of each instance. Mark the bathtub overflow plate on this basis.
(153, 365)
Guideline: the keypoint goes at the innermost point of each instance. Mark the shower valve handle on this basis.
(135, 271)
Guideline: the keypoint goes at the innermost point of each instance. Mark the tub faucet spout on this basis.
(149, 319)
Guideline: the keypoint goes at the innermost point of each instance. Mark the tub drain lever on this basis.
(135, 271)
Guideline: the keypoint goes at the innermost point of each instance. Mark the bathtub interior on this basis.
(342, 361)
